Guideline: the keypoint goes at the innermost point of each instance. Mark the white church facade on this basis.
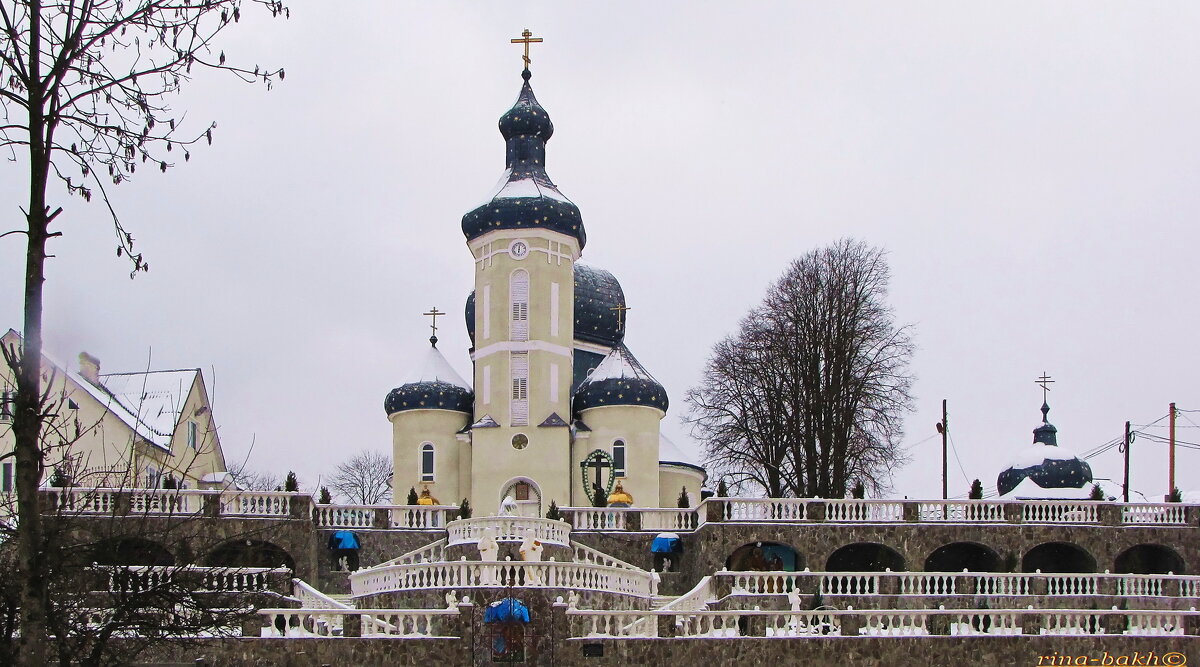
(558, 408)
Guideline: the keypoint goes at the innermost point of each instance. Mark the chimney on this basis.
(89, 368)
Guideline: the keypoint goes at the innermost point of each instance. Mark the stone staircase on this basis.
(659, 601)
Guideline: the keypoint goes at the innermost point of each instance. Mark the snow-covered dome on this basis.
(525, 197)
(434, 385)
(620, 380)
(670, 453)
(1045, 470)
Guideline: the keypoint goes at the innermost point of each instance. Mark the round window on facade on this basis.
(520, 441)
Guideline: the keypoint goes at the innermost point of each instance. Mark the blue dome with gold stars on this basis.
(1045, 470)
(434, 386)
(525, 198)
(620, 380)
(597, 293)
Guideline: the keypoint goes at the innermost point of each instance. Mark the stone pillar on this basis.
(633, 520)
(851, 624)
(1039, 585)
(714, 510)
(352, 625)
(1191, 514)
(382, 518)
(1109, 514)
(1013, 512)
(817, 511)
(912, 511)
(1031, 624)
(889, 585)
(212, 505)
(302, 507)
(122, 503)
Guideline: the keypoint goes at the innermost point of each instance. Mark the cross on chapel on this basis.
(527, 38)
(433, 313)
(620, 308)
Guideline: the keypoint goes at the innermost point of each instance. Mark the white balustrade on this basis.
(971, 511)
(345, 516)
(670, 520)
(476, 574)
(927, 583)
(864, 511)
(258, 503)
(1059, 511)
(509, 528)
(408, 623)
(1002, 584)
(899, 623)
(977, 623)
(142, 578)
(849, 583)
(585, 554)
(697, 599)
(584, 518)
(165, 501)
(1153, 513)
(763, 509)
(1071, 584)
(763, 583)
(423, 517)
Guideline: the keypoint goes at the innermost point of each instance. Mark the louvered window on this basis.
(519, 362)
(519, 312)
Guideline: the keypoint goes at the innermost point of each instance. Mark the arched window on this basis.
(518, 292)
(619, 458)
(427, 462)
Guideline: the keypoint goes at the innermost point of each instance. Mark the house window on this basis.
(427, 462)
(6, 478)
(7, 401)
(619, 458)
(519, 363)
(519, 299)
(192, 439)
(153, 477)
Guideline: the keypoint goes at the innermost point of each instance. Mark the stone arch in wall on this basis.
(959, 556)
(865, 557)
(131, 551)
(1149, 559)
(250, 553)
(764, 557)
(1058, 557)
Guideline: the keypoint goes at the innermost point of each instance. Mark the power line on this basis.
(954, 448)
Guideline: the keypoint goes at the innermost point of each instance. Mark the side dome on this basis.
(525, 197)
(597, 293)
(434, 386)
(620, 380)
(1044, 469)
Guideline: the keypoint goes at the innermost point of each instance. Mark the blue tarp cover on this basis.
(344, 539)
(508, 609)
(666, 543)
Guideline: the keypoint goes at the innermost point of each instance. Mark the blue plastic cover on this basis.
(508, 609)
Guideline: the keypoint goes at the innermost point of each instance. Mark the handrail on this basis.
(584, 553)
(478, 574)
(508, 528)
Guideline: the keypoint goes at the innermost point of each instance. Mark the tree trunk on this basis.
(27, 420)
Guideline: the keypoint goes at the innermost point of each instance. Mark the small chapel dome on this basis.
(525, 197)
(619, 497)
(597, 294)
(426, 498)
(1045, 470)
(620, 380)
(434, 386)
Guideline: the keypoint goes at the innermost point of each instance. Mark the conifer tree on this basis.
(976, 492)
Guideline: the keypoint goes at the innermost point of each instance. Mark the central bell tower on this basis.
(525, 240)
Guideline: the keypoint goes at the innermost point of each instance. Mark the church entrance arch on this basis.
(131, 551)
(1148, 559)
(527, 495)
(959, 556)
(1058, 557)
(250, 553)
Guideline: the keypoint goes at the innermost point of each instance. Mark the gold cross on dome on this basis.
(527, 38)
(620, 308)
(1045, 383)
(434, 312)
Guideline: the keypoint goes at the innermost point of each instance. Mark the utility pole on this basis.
(1171, 460)
(944, 428)
(1125, 486)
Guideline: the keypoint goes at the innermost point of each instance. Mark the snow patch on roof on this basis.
(1036, 454)
(435, 368)
(156, 398)
(510, 188)
(617, 365)
(670, 452)
(1029, 489)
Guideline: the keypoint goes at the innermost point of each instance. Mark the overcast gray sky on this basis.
(1031, 169)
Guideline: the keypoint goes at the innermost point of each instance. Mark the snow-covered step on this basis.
(343, 598)
(659, 601)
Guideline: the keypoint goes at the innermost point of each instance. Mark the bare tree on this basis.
(249, 479)
(85, 88)
(364, 479)
(809, 394)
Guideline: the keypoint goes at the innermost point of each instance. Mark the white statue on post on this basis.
(489, 548)
(508, 507)
(531, 548)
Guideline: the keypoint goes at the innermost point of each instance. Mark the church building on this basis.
(559, 408)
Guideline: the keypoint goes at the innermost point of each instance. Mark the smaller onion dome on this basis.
(434, 386)
(597, 293)
(1045, 470)
(426, 498)
(620, 380)
(619, 498)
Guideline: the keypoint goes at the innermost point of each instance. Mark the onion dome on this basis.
(620, 380)
(434, 386)
(619, 498)
(1045, 470)
(426, 499)
(525, 197)
(597, 292)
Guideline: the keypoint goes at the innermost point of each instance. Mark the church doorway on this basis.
(526, 494)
